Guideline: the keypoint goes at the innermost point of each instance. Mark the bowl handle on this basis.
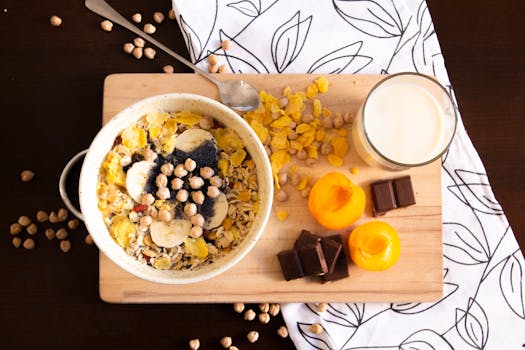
(62, 184)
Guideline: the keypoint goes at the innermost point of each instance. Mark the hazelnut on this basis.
(197, 197)
(73, 224)
(206, 172)
(163, 193)
(226, 45)
(55, 21)
(249, 315)
(17, 242)
(128, 48)
(281, 196)
(27, 175)
(190, 164)
(307, 118)
(264, 307)
(137, 18)
(158, 17)
(15, 228)
(147, 199)
(321, 307)
(226, 342)
(264, 318)
(196, 182)
(338, 121)
(252, 336)
(182, 196)
(194, 344)
(106, 25)
(213, 68)
(150, 53)
(180, 171)
(42, 216)
(62, 233)
(216, 181)
(238, 307)
(283, 178)
(89, 240)
(28, 244)
(65, 246)
(274, 309)
(50, 233)
(137, 53)
(168, 69)
(139, 42)
(212, 59)
(149, 28)
(196, 231)
(32, 229)
(177, 183)
(316, 328)
(145, 221)
(161, 180)
(282, 332)
(283, 102)
(171, 15)
(311, 162)
(327, 123)
(305, 192)
(190, 209)
(62, 214)
(326, 149)
(206, 123)
(164, 215)
(213, 192)
(348, 118)
(222, 68)
(24, 221)
(233, 347)
(197, 220)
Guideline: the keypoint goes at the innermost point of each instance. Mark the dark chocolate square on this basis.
(331, 251)
(312, 259)
(383, 197)
(306, 238)
(341, 265)
(403, 191)
(290, 264)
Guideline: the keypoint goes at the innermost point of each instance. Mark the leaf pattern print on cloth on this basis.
(483, 301)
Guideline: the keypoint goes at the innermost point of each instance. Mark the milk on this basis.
(407, 120)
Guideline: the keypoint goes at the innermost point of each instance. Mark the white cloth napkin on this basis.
(483, 304)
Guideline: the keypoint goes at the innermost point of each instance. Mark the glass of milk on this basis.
(407, 120)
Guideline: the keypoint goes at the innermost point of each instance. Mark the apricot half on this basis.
(374, 246)
(335, 202)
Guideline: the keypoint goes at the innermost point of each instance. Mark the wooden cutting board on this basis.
(417, 276)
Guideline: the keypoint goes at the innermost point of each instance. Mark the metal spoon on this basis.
(236, 94)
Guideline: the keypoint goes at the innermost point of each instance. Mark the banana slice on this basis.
(136, 178)
(220, 210)
(190, 139)
(170, 234)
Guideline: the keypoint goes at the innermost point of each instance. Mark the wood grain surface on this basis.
(51, 82)
(417, 276)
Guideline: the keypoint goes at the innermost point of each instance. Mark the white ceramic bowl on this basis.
(102, 144)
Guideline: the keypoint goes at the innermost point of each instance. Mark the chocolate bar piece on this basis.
(306, 238)
(341, 265)
(383, 197)
(290, 264)
(403, 191)
(312, 259)
(331, 251)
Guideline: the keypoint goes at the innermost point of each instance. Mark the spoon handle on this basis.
(103, 9)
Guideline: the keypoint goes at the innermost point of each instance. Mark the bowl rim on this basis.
(93, 217)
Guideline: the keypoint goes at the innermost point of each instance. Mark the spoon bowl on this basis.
(236, 94)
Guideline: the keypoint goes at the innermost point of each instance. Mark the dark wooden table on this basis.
(51, 98)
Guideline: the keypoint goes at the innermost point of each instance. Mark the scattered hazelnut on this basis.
(316, 328)
(283, 178)
(182, 196)
(137, 53)
(226, 342)
(264, 307)
(24, 221)
(196, 231)
(226, 45)
(145, 221)
(213, 192)
(55, 21)
(106, 25)
(171, 15)
(190, 164)
(65, 246)
(196, 182)
(139, 42)
(88, 240)
(15, 228)
(305, 192)
(190, 209)
(249, 315)
(307, 118)
(296, 179)
(197, 197)
(180, 171)
(233, 347)
(137, 18)
(348, 118)
(27, 175)
(73, 224)
(62, 214)
(206, 123)
(311, 162)
(50, 233)
(17, 242)
(197, 220)
(177, 183)
(213, 68)
(161, 180)
(274, 309)
(149, 28)
(147, 199)
(212, 59)
(281, 196)
(327, 123)
(216, 181)
(29, 244)
(222, 68)
(326, 149)
(321, 307)
(282, 331)
(194, 344)
(206, 172)
(264, 318)
(238, 307)
(168, 69)
(163, 193)
(283, 102)
(150, 53)
(158, 17)
(62, 233)
(164, 215)
(128, 48)
(42, 216)
(32, 229)
(252, 336)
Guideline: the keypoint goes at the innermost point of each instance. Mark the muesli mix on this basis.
(178, 190)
